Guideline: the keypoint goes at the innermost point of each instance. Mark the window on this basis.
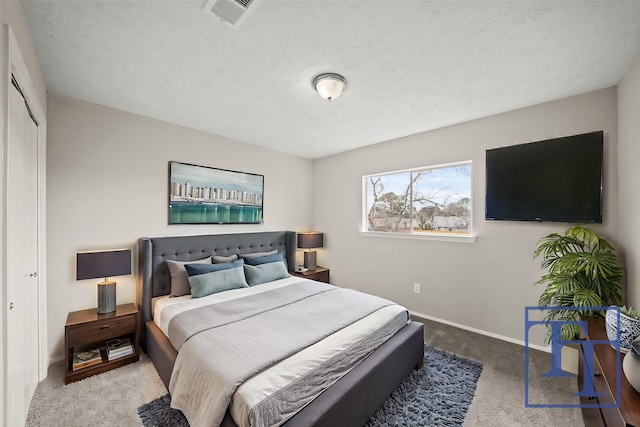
(427, 201)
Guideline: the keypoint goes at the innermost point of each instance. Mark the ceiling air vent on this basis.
(228, 10)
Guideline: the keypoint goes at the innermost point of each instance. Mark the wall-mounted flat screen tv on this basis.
(207, 195)
(556, 180)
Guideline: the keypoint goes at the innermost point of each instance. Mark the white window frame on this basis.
(443, 237)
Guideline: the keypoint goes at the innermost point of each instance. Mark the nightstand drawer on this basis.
(320, 274)
(101, 330)
(611, 414)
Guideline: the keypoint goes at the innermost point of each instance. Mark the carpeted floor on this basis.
(109, 399)
(499, 399)
(113, 397)
(438, 394)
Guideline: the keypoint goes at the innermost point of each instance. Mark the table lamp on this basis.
(94, 264)
(310, 240)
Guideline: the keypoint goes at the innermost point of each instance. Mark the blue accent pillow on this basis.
(257, 274)
(197, 269)
(217, 281)
(257, 260)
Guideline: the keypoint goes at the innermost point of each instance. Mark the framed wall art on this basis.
(208, 195)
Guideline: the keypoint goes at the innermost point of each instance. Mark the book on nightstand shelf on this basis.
(84, 359)
(119, 348)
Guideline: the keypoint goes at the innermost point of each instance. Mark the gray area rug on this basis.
(439, 394)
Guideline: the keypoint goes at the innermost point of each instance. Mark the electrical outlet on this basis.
(416, 288)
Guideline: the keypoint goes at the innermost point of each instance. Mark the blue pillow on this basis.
(257, 274)
(257, 260)
(217, 281)
(197, 269)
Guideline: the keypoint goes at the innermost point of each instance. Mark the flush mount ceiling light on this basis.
(329, 85)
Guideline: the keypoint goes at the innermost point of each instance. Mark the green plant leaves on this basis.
(583, 271)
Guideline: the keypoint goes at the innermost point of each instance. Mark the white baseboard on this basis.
(55, 359)
(546, 349)
(569, 355)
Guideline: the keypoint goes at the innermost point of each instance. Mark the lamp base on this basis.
(106, 297)
(310, 260)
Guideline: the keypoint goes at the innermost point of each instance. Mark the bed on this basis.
(349, 401)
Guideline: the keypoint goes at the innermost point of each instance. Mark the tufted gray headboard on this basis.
(153, 275)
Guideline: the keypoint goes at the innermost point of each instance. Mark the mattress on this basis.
(304, 363)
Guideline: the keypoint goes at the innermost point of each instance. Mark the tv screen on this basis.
(553, 180)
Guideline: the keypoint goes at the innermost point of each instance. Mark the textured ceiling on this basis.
(411, 66)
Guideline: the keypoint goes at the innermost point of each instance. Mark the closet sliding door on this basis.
(22, 258)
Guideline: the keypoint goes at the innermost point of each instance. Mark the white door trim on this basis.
(13, 63)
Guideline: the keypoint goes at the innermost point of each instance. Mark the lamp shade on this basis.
(94, 264)
(310, 240)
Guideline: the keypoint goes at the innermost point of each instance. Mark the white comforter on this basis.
(255, 389)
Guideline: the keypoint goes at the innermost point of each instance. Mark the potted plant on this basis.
(583, 271)
(629, 323)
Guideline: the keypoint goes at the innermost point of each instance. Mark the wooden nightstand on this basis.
(320, 274)
(87, 330)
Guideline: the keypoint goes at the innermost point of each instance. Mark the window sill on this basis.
(442, 237)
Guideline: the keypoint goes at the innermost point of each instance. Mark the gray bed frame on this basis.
(349, 402)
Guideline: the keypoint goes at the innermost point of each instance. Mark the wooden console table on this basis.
(604, 379)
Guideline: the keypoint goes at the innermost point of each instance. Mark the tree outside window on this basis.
(429, 200)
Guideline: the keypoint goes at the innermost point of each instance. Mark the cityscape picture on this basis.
(207, 195)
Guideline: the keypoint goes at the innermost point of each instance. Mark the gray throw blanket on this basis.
(242, 337)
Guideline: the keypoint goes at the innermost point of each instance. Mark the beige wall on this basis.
(13, 16)
(629, 177)
(107, 181)
(483, 285)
